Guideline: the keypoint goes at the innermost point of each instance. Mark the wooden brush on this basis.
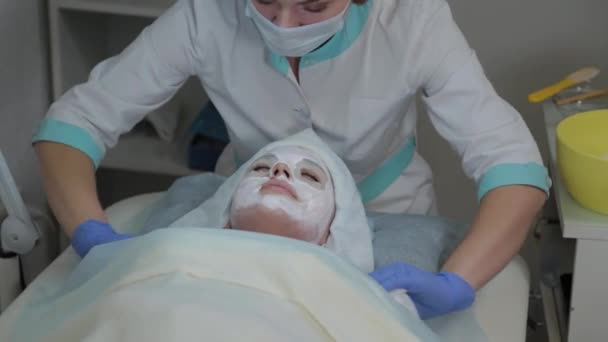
(577, 77)
(583, 96)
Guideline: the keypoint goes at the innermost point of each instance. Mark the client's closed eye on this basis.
(311, 176)
(261, 168)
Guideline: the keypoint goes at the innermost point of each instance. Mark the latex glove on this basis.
(434, 294)
(92, 233)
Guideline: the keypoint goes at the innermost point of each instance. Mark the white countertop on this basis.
(577, 222)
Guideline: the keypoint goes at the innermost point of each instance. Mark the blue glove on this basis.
(434, 294)
(92, 233)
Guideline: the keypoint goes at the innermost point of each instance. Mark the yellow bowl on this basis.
(582, 157)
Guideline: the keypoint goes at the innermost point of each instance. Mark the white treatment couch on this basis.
(501, 306)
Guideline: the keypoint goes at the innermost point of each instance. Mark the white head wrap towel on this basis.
(350, 235)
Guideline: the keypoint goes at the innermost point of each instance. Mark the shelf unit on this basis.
(139, 8)
(85, 32)
(588, 300)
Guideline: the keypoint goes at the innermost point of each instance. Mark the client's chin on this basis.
(260, 219)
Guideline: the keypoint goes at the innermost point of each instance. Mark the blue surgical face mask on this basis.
(295, 41)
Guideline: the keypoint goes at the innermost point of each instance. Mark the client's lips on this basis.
(279, 186)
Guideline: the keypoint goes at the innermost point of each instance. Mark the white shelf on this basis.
(141, 151)
(577, 222)
(85, 32)
(142, 8)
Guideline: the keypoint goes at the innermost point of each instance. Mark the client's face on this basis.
(287, 192)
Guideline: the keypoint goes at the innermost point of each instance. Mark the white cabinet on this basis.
(589, 300)
(85, 32)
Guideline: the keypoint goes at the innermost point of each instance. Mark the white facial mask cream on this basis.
(292, 181)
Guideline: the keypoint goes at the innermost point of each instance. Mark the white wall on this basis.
(23, 89)
(523, 45)
(24, 96)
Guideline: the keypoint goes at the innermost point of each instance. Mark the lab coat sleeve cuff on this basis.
(71, 135)
(531, 174)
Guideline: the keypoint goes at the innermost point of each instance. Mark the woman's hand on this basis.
(92, 233)
(434, 294)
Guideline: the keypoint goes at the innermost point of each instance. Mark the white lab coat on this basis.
(357, 92)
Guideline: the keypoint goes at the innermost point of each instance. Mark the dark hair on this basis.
(359, 2)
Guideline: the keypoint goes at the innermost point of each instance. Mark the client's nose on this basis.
(281, 169)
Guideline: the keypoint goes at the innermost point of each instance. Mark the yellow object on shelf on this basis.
(582, 157)
(577, 77)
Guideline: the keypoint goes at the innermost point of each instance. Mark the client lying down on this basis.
(290, 192)
(309, 283)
